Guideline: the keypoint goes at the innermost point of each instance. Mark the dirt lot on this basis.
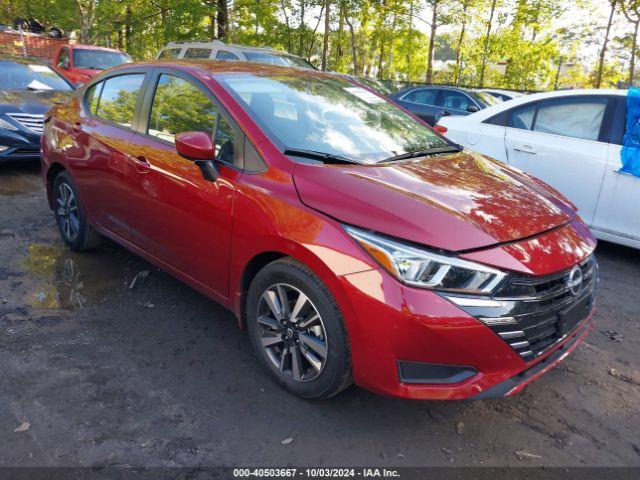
(97, 373)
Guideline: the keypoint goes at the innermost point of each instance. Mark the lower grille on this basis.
(544, 309)
(32, 121)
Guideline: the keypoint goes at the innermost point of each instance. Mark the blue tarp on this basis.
(630, 153)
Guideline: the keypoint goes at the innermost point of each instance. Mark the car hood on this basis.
(28, 101)
(455, 202)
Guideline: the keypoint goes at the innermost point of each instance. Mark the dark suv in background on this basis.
(431, 102)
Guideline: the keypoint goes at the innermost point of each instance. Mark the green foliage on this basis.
(387, 39)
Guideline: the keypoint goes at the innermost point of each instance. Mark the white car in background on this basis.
(218, 50)
(570, 139)
(502, 95)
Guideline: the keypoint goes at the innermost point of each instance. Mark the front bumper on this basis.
(392, 325)
(19, 145)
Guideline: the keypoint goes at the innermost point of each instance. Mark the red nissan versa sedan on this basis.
(353, 242)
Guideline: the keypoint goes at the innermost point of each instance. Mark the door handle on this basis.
(140, 162)
(525, 149)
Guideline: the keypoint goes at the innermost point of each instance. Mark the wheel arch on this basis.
(52, 172)
(296, 252)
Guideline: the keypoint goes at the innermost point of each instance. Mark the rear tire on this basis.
(71, 217)
(308, 356)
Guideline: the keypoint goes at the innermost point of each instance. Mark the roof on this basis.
(219, 67)
(81, 46)
(219, 43)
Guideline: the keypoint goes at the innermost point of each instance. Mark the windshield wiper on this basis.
(321, 156)
(425, 153)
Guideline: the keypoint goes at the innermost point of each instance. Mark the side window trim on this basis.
(141, 95)
(144, 111)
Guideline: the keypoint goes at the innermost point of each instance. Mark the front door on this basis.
(180, 218)
(558, 141)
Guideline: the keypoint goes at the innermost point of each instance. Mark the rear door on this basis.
(617, 217)
(561, 141)
(180, 218)
(103, 135)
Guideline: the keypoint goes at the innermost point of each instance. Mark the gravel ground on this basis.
(97, 373)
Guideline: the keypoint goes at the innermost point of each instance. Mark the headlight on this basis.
(421, 268)
(6, 125)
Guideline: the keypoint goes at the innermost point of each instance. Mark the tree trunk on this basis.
(465, 5)
(222, 18)
(325, 41)
(410, 47)
(381, 30)
(86, 9)
(486, 43)
(287, 23)
(603, 51)
(432, 42)
(352, 33)
(301, 29)
(634, 46)
(127, 29)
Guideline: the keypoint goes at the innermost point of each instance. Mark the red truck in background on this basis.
(79, 63)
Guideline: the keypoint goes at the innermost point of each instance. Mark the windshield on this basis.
(329, 115)
(278, 59)
(30, 76)
(98, 59)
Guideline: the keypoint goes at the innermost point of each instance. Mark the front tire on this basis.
(71, 217)
(297, 331)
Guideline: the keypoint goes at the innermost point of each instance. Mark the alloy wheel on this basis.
(67, 211)
(292, 333)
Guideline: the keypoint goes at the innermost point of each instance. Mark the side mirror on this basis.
(472, 108)
(65, 64)
(198, 147)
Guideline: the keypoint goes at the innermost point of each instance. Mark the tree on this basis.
(631, 11)
(487, 39)
(325, 39)
(86, 11)
(432, 38)
(603, 50)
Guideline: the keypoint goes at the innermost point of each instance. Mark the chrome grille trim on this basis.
(522, 344)
(32, 121)
(513, 334)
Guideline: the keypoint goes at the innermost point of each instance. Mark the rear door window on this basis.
(169, 53)
(197, 53)
(224, 55)
(522, 117)
(576, 118)
(92, 97)
(117, 102)
(424, 96)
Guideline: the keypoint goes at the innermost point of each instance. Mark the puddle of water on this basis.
(58, 278)
(20, 181)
